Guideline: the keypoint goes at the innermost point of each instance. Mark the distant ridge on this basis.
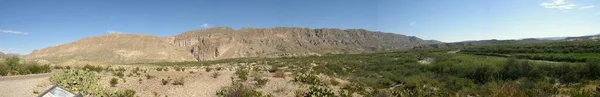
(114, 48)
(225, 42)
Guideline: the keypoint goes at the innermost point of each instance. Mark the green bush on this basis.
(126, 93)
(242, 74)
(318, 92)
(308, 78)
(82, 81)
(93, 68)
(239, 90)
(3, 70)
(11, 66)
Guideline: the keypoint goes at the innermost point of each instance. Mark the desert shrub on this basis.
(93, 68)
(119, 74)
(593, 69)
(219, 68)
(114, 82)
(242, 74)
(35, 68)
(261, 81)
(382, 93)
(318, 92)
(124, 93)
(148, 76)
(508, 90)
(179, 69)
(280, 74)
(308, 78)
(273, 69)
(11, 62)
(3, 70)
(239, 90)
(165, 82)
(83, 81)
(121, 69)
(179, 81)
(207, 69)
(159, 68)
(11, 66)
(215, 74)
(334, 82)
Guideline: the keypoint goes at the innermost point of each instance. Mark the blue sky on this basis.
(26, 25)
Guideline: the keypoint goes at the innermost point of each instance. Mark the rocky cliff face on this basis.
(114, 48)
(225, 42)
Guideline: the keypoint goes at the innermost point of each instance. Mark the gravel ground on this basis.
(24, 85)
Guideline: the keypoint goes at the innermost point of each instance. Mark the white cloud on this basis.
(558, 4)
(587, 7)
(114, 32)
(412, 23)
(9, 50)
(13, 32)
(205, 25)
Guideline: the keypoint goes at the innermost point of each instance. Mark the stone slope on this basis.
(114, 48)
(225, 42)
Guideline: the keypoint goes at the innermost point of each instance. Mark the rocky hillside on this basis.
(114, 48)
(224, 42)
(1, 55)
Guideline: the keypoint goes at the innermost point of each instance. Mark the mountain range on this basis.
(224, 43)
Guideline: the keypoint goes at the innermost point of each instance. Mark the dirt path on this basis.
(23, 85)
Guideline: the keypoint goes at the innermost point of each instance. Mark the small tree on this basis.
(11, 62)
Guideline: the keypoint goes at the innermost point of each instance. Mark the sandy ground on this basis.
(24, 85)
(198, 83)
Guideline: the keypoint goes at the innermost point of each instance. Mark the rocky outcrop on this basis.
(114, 48)
(224, 42)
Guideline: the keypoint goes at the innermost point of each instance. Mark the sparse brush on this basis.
(179, 81)
(242, 74)
(178, 69)
(148, 76)
(207, 69)
(261, 81)
(114, 82)
(215, 74)
(239, 90)
(119, 74)
(319, 92)
(165, 82)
